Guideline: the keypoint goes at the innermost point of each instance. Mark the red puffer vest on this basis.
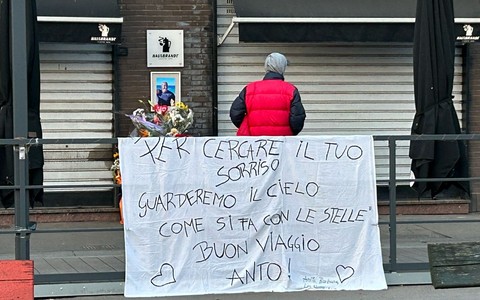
(268, 107)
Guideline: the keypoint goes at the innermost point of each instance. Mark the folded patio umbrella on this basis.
(434, 55)
(35, 154)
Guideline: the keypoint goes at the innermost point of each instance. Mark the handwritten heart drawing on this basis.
(344, 273)
(165, 276)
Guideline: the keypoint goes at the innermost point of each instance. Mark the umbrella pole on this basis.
(18, 48)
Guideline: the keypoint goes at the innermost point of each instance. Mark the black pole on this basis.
(20, 125)
(214, 70)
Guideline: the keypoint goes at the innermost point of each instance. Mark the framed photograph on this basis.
(165, 87)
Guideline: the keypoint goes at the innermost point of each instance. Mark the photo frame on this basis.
(172, 91)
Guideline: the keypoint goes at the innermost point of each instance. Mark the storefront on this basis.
(352, 63)
(94, 70)
(77, 40)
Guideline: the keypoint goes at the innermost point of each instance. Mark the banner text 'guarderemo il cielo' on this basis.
(215, 215)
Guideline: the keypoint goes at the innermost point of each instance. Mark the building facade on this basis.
(90, 80)
(353, 65)
(354, 77)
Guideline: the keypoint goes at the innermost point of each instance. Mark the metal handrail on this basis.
(392, 266)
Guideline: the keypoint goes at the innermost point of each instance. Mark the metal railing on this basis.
(24, 228)
(393, 265)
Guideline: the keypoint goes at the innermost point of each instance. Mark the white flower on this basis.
(140, 112)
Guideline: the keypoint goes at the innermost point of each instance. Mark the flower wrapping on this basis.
(162, 120)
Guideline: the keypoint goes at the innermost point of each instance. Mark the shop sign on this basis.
(164, 48)
(469, 36)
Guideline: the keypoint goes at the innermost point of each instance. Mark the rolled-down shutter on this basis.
(76, 102)
(347, 89)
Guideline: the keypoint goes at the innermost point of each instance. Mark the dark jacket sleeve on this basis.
(238, 109)
(297, 113)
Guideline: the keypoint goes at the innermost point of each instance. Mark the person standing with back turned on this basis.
(270, 106)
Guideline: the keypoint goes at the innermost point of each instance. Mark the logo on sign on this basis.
(165, 45)
(164, 48)
(103, 38)
(468, 30)
(468, 37)
(104, 29)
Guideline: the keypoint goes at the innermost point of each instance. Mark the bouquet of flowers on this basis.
(162, 120)
(115, 168)
(117, 179)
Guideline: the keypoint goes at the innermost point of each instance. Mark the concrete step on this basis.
(111, 214)
(63, 214)
(426, 207)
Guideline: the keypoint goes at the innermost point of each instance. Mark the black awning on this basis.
(79, 21)
(340, 20)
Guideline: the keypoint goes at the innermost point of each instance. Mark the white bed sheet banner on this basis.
(212, 215)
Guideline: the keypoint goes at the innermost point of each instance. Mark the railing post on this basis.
(392, 188)
(18, 50)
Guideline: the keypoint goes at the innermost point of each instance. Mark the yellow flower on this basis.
(181, 105)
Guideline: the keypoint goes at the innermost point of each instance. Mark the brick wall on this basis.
(195, 18)
(474, 120)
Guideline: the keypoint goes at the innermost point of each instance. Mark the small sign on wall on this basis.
(164, 48)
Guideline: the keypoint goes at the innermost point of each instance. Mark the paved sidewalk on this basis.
(47, 241)
(423, 292)
(57, 252)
